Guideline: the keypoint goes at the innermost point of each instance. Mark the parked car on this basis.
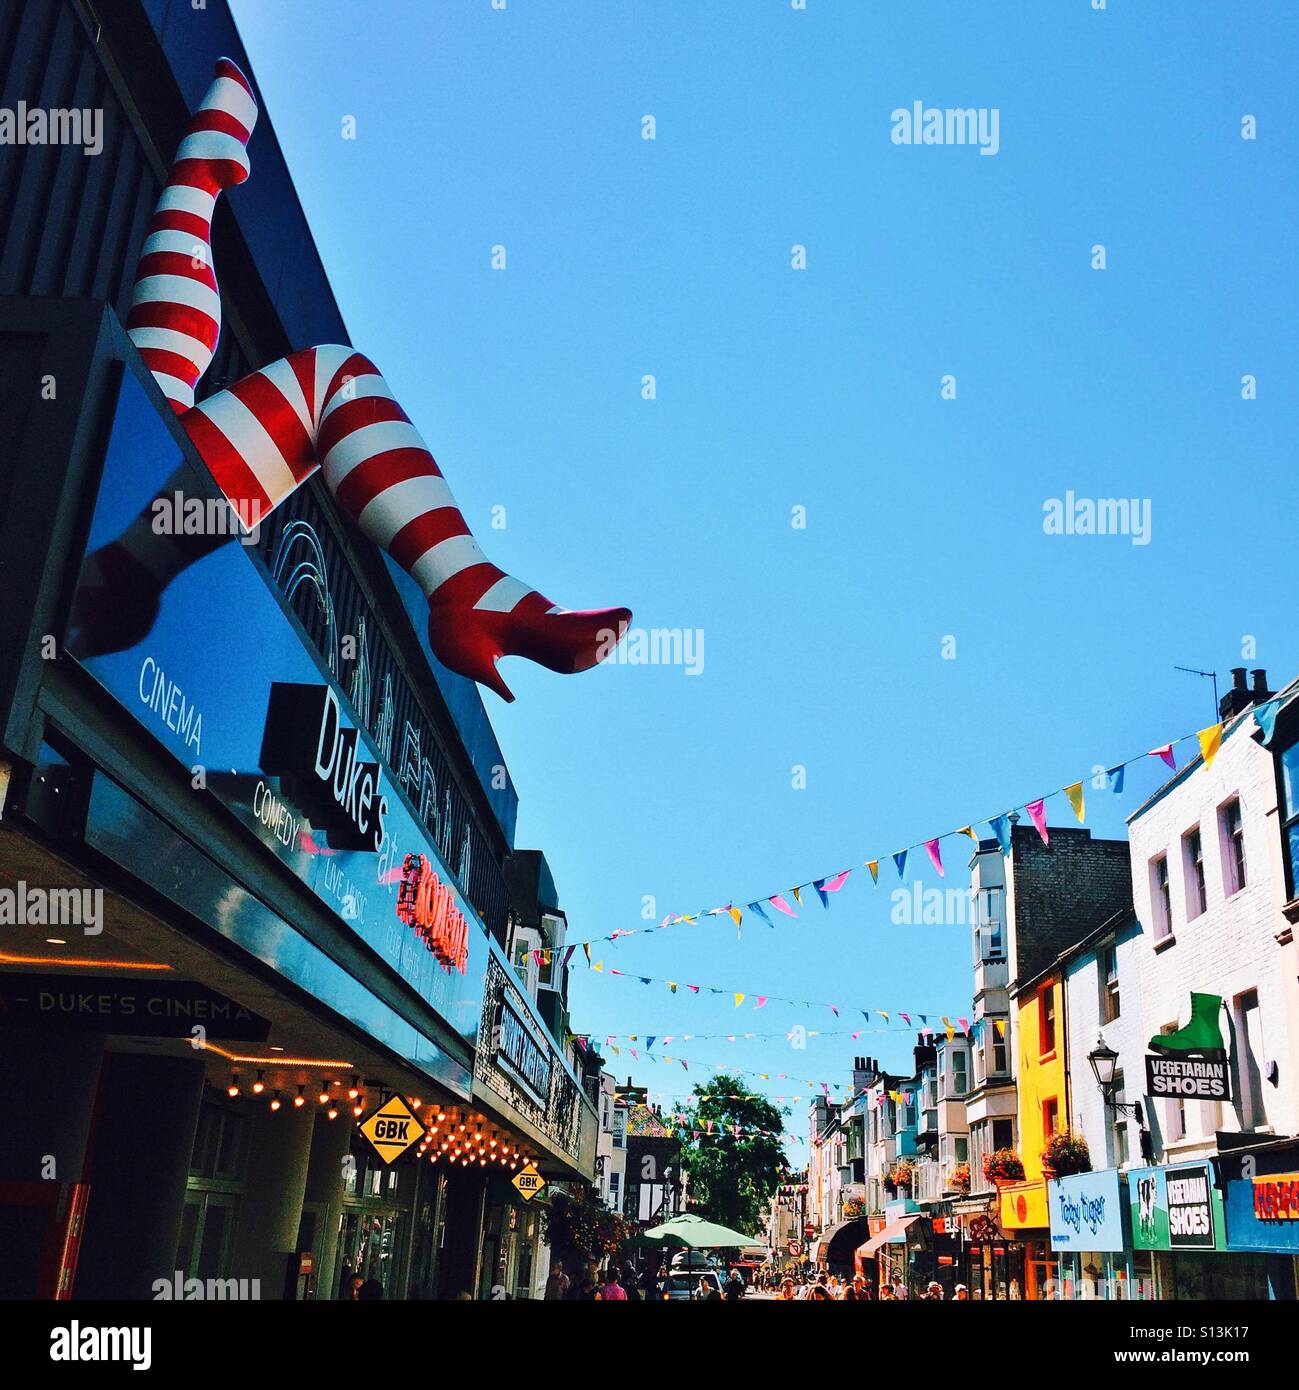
(696, 1285)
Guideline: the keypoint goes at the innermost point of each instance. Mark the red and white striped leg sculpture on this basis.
(325, 407)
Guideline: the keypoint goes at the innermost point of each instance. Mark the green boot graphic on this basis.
(1201, 1036)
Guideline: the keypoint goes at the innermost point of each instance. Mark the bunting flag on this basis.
(1000, 827)
(1265, 717)
(586, 946)
(741, 995)
(1164, 751)
(1208, 740)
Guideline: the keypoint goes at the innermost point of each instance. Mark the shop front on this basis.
(1179, 1236)
(891, 1248)
(1261, 1205)
(1088, 1217)
(1025, 1220)
(522, 1080)
(270, 941)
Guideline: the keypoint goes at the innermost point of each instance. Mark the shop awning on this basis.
(839, 1241)
(892, 1234)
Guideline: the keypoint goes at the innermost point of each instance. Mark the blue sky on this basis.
(820, 389)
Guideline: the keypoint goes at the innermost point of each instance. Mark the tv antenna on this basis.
(1210, 675)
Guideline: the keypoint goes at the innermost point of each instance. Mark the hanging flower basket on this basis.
(1005, 1165)
(961, 1178)
(1065, 1154)
(901, 1176)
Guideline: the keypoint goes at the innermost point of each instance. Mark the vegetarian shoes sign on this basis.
(1190, 1063)
(1175, 1208)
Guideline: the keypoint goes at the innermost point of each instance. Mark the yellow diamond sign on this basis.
(392, 1129)
(529, 1182)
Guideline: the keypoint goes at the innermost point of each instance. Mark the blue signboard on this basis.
(222, 679)
(1263, 1213)
(1086, 1211)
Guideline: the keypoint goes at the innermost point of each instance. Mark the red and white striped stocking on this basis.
(325, 407)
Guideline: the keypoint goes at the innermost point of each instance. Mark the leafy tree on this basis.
(731, 1176)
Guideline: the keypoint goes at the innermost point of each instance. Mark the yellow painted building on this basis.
(1042, 1082)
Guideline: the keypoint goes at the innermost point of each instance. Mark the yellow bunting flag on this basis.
(672, 985)
(798, 896)
(736, 914)
(739, 999)
(968, 830)
(1075, 795)
(882, 1014)
(1210, 742)
(599, 965)
(586, 946)
(874, 866)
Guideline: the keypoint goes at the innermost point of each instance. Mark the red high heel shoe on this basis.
(470, 641)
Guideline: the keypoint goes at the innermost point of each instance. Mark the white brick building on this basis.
(1102, 1001)
(1208, 888)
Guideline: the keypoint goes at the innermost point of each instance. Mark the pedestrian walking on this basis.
(934, 1293)
(557, 1283)
(611, 1291)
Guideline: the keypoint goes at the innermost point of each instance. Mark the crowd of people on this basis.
(612, 1284)
(829, 1287)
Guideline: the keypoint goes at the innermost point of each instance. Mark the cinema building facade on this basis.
(253, 866)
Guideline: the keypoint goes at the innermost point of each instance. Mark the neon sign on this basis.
(427, 904)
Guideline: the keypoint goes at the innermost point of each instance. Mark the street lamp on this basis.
(1104, 1060)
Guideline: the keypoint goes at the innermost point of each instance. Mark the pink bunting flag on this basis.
(834, 1009)
(1164, 751)
(1037, 812)
(779, 903)
(906, 1018)
(612, 971)
(935, 857)
(694, 989)
(762, 999)
(833, 885)
(965, 1024)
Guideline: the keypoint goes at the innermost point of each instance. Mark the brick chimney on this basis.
(1238, 698)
